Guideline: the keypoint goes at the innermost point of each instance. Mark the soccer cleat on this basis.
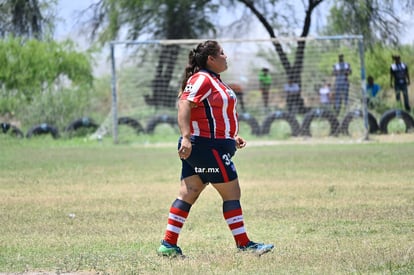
(258, 248)
(169, 250)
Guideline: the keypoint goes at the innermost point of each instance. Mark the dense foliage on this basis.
(34, 71)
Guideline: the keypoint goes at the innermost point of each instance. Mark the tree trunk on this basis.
(163, 95)
(294, 70)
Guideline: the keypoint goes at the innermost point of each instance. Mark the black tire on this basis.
(321, 114)
(83, 122)
(131, 123)
(281, 115)
(395, 113)
(372, 122)
(153, 122)
(254, 125)
(6, 127)
(43, 129)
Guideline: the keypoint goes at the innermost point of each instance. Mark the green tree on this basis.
(378, 21)
(155, 19)
(266, 17)
(32, 67)
(26, 18)
(41, 80)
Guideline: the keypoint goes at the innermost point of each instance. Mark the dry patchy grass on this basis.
(88, 209)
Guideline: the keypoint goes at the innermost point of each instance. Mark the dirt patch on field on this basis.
(399, 138)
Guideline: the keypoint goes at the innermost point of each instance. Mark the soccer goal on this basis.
(286, 87)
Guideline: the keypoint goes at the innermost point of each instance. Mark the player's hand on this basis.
(240, 142)
(185, 148)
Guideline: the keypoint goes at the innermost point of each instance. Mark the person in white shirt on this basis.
(292, 92)
(325, 94)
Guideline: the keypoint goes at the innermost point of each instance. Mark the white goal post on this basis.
(146, 77)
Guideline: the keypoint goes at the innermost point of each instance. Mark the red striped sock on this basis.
(232, 212)
(178, 214)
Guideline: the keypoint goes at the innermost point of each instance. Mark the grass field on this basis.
(85, 207)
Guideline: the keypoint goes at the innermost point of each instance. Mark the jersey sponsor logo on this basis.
(200, 170)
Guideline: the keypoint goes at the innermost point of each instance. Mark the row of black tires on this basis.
(86, 123)
(297, 129)
(336, 127)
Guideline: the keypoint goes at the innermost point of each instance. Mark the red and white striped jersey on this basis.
(215, 115)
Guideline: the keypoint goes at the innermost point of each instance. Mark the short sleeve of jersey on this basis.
(197, 89)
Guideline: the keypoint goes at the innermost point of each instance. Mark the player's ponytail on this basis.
(197, 59)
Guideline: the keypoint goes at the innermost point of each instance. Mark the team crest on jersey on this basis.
(188, 88)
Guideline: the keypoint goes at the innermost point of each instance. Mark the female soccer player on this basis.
(208, 123)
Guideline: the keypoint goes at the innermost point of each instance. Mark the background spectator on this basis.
(341, 71)
(325, 94)
(400, 79)
(292, 91)
(372, 91)
(265, 81)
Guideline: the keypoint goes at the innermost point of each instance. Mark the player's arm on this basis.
(183, 119)
(240, 142)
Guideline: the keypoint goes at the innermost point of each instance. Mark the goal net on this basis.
(286, 88)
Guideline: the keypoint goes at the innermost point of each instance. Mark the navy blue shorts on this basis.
(210, 159)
